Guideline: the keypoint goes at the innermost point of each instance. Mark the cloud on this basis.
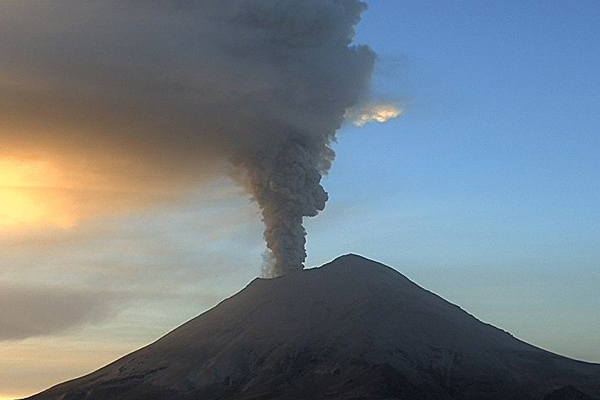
(136, 102)
(177, 257)
(368, 112)
(33, 310)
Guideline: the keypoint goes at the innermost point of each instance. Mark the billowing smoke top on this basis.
(323, 76)
(185, 84)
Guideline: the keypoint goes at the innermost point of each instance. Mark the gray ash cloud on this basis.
(184, 87)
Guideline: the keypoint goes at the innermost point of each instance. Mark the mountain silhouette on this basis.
(351, 329)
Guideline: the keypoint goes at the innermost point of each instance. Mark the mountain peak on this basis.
(359, 264)
(353, 328)
(354, 257)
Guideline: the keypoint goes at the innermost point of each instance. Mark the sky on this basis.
(485, 190)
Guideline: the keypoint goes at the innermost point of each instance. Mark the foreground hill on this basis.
(351, 329)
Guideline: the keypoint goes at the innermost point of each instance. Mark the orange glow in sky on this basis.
(29, 196)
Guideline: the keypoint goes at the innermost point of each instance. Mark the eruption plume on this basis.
(172, 90)
(287, 188)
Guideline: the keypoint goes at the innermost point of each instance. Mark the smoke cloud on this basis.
(166, 94)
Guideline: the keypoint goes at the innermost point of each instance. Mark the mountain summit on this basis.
(351, 329)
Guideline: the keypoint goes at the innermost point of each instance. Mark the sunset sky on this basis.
(485, 190)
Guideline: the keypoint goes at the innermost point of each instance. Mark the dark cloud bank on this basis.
(33, 310)
(169, 92)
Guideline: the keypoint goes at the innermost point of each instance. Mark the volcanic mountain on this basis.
(351, 329)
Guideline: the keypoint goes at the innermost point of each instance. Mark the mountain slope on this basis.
(351, 329)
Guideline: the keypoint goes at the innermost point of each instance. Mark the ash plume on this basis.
(168, 92)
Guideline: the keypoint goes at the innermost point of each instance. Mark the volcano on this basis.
(351, 329)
